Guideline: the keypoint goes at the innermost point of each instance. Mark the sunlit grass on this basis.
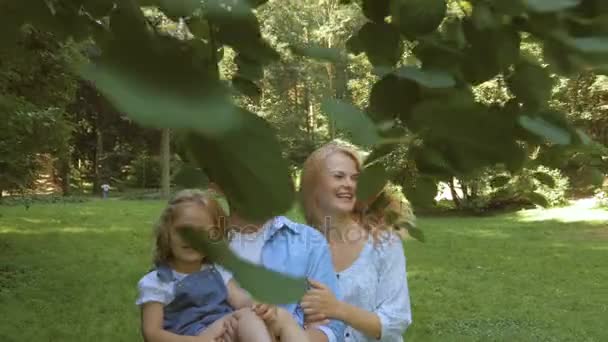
(68, 272)
(583, 210)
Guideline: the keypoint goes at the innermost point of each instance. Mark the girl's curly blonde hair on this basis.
(206, 200)
(379, 215)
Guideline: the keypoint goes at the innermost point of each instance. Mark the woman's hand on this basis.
(320, 304)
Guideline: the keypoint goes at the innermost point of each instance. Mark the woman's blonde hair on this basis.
(378, 215)
(206, 200)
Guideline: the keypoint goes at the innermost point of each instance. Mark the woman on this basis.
(368, 258)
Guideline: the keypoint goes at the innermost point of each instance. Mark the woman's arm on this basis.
(392, 314)
(152, 327)
(319, 304)
(393, 300)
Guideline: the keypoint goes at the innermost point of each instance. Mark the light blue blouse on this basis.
(377, 282)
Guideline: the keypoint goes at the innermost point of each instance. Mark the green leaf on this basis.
(538, 199)
(246, 87)
(98, 8)
(353, 120)
(247, 164)
(422, 193)
(544, 179)
(453, 122)
(256, 3)
(248, 68)
(440, 55)
(199, 27)
(593, 176)
(354, 44)
(381, 43)
(543, 128)
(372, 180)
(583, 137)
(320, 53)
(376, 10)
(153, 99)
(531, 84)
(491, 51)
(499, 181)
(239, 28)
(392, 97)
(431, 162)
(426, 78)
(176, 9)
(417, 17)
(379, 152)
(453, 33)
(590, 44)
(416, 233)
(264, 285)
(512, 8)
(551, 5)
(483, 18)
(189, 176)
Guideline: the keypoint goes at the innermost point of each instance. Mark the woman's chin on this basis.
(343, 209)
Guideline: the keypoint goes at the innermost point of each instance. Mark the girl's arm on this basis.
(152, 327)
(237, 297)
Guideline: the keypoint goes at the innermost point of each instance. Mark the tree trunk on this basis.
(308, 108)
(98, 161)
(341, 81)
(331, 75)
(455, 197)
(64, 174)
(165, 159)
(311, 117)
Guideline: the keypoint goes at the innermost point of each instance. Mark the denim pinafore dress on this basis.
(201, 298)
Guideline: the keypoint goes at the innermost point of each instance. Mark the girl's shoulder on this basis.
(151, 279)
(151, 288)
(157, 277)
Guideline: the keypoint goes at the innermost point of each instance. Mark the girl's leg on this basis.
(287, 329)
(251, 328)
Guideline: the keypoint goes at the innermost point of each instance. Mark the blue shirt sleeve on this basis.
(321, 269)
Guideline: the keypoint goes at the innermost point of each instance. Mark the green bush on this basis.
(29, 200)
(601, 199)
(539, 186)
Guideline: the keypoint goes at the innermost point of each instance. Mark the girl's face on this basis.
(338, 185)
(188, 215)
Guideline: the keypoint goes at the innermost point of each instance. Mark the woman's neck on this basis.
(186, 267)
(341, 228)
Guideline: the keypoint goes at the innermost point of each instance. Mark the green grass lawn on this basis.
(68, 272)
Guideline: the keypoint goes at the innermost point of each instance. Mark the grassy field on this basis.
(68, 272)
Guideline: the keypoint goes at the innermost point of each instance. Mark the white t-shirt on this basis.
(152, 289)
(249, 246)
(105, 187)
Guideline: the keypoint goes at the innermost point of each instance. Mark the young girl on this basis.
(188, 299)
